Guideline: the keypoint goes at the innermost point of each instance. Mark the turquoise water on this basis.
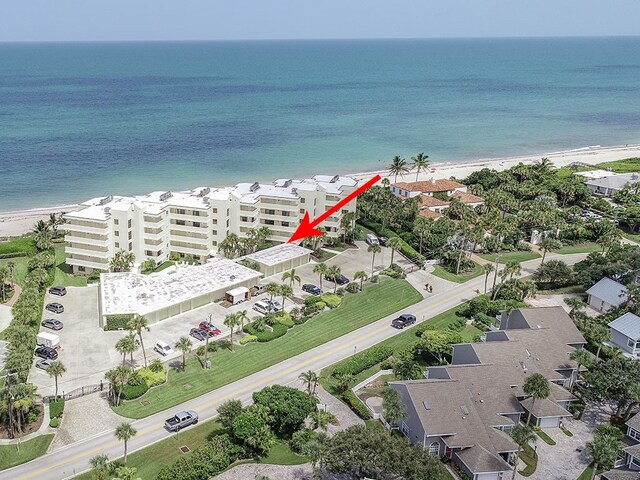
(78, 120)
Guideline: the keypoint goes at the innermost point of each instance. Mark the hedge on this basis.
(54, 422)
(311, 299)
(248, 339)
(285, 319)
(115, 322)
(151, 378)
(129, 392)
(56, 407)
(13, 255)
(331, 300)
(356, 405)
(405, 249)
(363, 360)
(278, 330)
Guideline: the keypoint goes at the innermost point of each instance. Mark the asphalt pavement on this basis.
(74, 458)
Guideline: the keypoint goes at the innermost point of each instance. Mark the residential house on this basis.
(627, 466)
(464, 411)
(607, 186)
(606, 294)
(625, 334)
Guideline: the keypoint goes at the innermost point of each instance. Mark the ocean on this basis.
(79, 120)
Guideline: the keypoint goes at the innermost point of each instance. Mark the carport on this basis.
(171, 292)
(280, 258)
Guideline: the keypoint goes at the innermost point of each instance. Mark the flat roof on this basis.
(278, 254)
(142, 294)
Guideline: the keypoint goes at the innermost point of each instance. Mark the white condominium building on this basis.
(193, 223)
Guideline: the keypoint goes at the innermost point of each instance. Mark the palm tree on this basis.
(100, 467)
(576, 305)
(23, 397)
(514, 268)
(523, 435)
(287, 292)
(598, 333)
(394, 243)
(421, 229)
(334, 273)
(137, 324)
(604, 451)
(184, 345)
(536, 386)
(398, 167)
(310, 379)
(488, 268)
(126, 345)
(321, 269)
(125, 432)
(272, 289)
(420, 162)
(548, 244)
(582, 358)
(41, 226)
(231, 321)
(243, 316)
(373, 249)
(56, 369)
(11, 267)
(360, 275)
(291, 275)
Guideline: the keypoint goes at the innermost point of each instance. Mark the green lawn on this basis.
(34, 448)
(543, 435)
(20, 270)
(511, 256)
(586, 474)
(634, 237)
(562, 290)
(21, 244)
(580, 248)
(530, 458)
(321, 255)
(63, 275)
(628, 165)
(357, 310)
(281, 454)
(441, 272)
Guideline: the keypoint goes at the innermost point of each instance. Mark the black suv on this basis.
(55, 307)
(341, 280)
(312, 289)
(403, 320)
(60, 291)
(52, 323)
(46, 352)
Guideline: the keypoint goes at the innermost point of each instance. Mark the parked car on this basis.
(372, 239)
(403, 320)
(60, 291)
(209, 328)
(55, 307)
(383, 241)
(46, 352)
(262, 306)
(276, 306)
(341, 280)
(198, 334)
(181, 420)
(311, 288)
(52, 323)
(163, 348)
(44, 363)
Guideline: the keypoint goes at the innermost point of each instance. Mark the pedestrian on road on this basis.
(430, 289)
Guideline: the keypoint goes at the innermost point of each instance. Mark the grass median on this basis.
(356, 311)
(440, 271)
(12, 455)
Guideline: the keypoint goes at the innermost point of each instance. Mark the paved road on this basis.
(74, 458)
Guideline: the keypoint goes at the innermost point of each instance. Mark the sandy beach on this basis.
(20, 222)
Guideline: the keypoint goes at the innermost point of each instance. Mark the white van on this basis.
(262, 307)
(372, 239)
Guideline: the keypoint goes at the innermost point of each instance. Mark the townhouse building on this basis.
(193, 223)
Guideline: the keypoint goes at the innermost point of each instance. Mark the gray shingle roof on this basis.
(610, 291)
(628, 325)
(621, 474)
(543, 407)
(479, 460)
(614, 181)
(633, 450)
(634, 422)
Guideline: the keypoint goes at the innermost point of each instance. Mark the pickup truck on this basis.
(181, 420)
(403, 320)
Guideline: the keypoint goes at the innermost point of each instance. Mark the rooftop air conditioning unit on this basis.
(335, 179)
(254, 187)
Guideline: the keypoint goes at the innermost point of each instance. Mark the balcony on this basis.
(160, 235)
(176, 237)
(85, 228)
(89, 253)
(97, 263)
(203, 228)
(203, 217)
(189, 250)
(98, 242)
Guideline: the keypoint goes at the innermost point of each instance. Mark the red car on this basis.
(210, 328)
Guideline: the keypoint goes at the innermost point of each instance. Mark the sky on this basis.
(121, 20)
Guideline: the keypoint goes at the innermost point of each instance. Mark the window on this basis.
(285, 214)
(243, 219)
(302, 210)
(434, 448)
(116, 221)
(130, 246)
(196, 213)
(269, 222)
(117, 244)
(215, 232)
(130, 235)
(117, 233)
(196, 224)
(180, 222)
(270, 212)
(285, 224)
(214, 221)
(634, 434)
(301, 200)
(148, 253)
(404, 429)
(180, 211)
(81, 269)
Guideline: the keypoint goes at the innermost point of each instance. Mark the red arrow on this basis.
(307, 228)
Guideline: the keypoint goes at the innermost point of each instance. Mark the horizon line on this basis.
(328, 39)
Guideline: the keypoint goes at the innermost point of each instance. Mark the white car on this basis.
(163, 348)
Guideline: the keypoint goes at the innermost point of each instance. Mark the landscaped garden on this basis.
(447, 274)
(356, 310)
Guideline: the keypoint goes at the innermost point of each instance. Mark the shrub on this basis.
(54, 422)
(151, 378)
(135, 378)
(157, 366)
(356, 405)
(278, 330)
(288, 407)
(405, 249)
(314, 308)
(300, 439)
(32, 416)
(56, 407)
(285, 319)
(301, 320)
(115, 322)
(248, 339)
(363, 360)
(129, 392)
(310, 300)
(331, 299)
(213, 347)
(394, 271)
(340, 291)
(352, 288)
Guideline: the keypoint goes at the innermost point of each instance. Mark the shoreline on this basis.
(19, 222)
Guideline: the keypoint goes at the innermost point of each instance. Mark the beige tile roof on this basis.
(465, 197)
(442, 185)
(426, 213)
(430, 201)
